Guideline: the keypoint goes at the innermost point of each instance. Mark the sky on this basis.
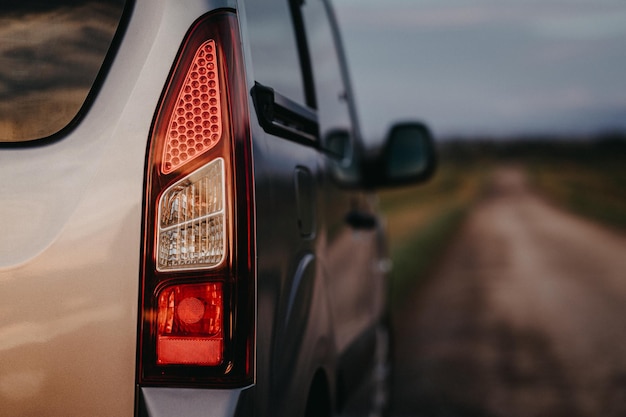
(494, 68)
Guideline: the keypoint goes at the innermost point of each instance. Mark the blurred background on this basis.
(509, 283)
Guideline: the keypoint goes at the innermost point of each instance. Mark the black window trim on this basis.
(303, 52)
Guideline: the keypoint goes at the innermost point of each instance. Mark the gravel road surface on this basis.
(525, 316)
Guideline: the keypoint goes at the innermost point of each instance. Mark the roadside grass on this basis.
(421, 220)
(593, 186)
(587, 178)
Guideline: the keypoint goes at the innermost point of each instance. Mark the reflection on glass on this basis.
(50, 54)
(274, 51)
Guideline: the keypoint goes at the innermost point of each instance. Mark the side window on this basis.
(50, 54)
(333, 108)
(275, 56)
(298, 67)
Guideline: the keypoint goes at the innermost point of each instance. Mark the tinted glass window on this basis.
(274, 49)
(330, 88)
(50, 54)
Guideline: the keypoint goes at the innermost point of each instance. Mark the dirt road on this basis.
(526, 316)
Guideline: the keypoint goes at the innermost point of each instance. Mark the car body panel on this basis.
(71, 224)
(71, 218)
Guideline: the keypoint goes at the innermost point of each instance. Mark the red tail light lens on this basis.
(196, 123)
(197, 278)
(190, 327)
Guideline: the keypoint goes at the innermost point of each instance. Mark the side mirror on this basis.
(407, 157)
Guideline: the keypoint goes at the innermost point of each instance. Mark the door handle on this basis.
(281, 116)
(361, 220)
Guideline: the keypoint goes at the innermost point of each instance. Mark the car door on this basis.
(349, 249)
(314, 240)
(288, 178)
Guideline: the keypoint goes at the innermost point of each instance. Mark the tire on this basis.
(318, 402)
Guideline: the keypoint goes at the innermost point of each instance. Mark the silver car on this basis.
(188, 222)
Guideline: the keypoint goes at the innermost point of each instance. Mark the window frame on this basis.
(280, 115)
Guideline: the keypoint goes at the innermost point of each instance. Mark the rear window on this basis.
(50, 54)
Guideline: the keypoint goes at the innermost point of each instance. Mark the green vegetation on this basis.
(584, 177)
(591, 185)
(422, 220)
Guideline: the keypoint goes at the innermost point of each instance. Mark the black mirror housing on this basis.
(407, 157)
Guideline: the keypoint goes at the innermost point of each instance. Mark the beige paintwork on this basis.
(70, 230)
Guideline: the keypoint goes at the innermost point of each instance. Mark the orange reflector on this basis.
(190, 325)
(196, 122)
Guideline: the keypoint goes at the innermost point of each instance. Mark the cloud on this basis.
(591, 26)
(569, 18)
(488, 65)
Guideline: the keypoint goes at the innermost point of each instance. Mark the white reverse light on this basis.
(191, 226)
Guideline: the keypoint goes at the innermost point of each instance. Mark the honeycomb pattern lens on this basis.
(196, 122)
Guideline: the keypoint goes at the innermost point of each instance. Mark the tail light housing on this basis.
(196, 324)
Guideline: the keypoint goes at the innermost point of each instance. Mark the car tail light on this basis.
(189, 325)
(195, 124)
(196, 324)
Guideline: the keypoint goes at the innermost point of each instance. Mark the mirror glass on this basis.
(409, 152)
